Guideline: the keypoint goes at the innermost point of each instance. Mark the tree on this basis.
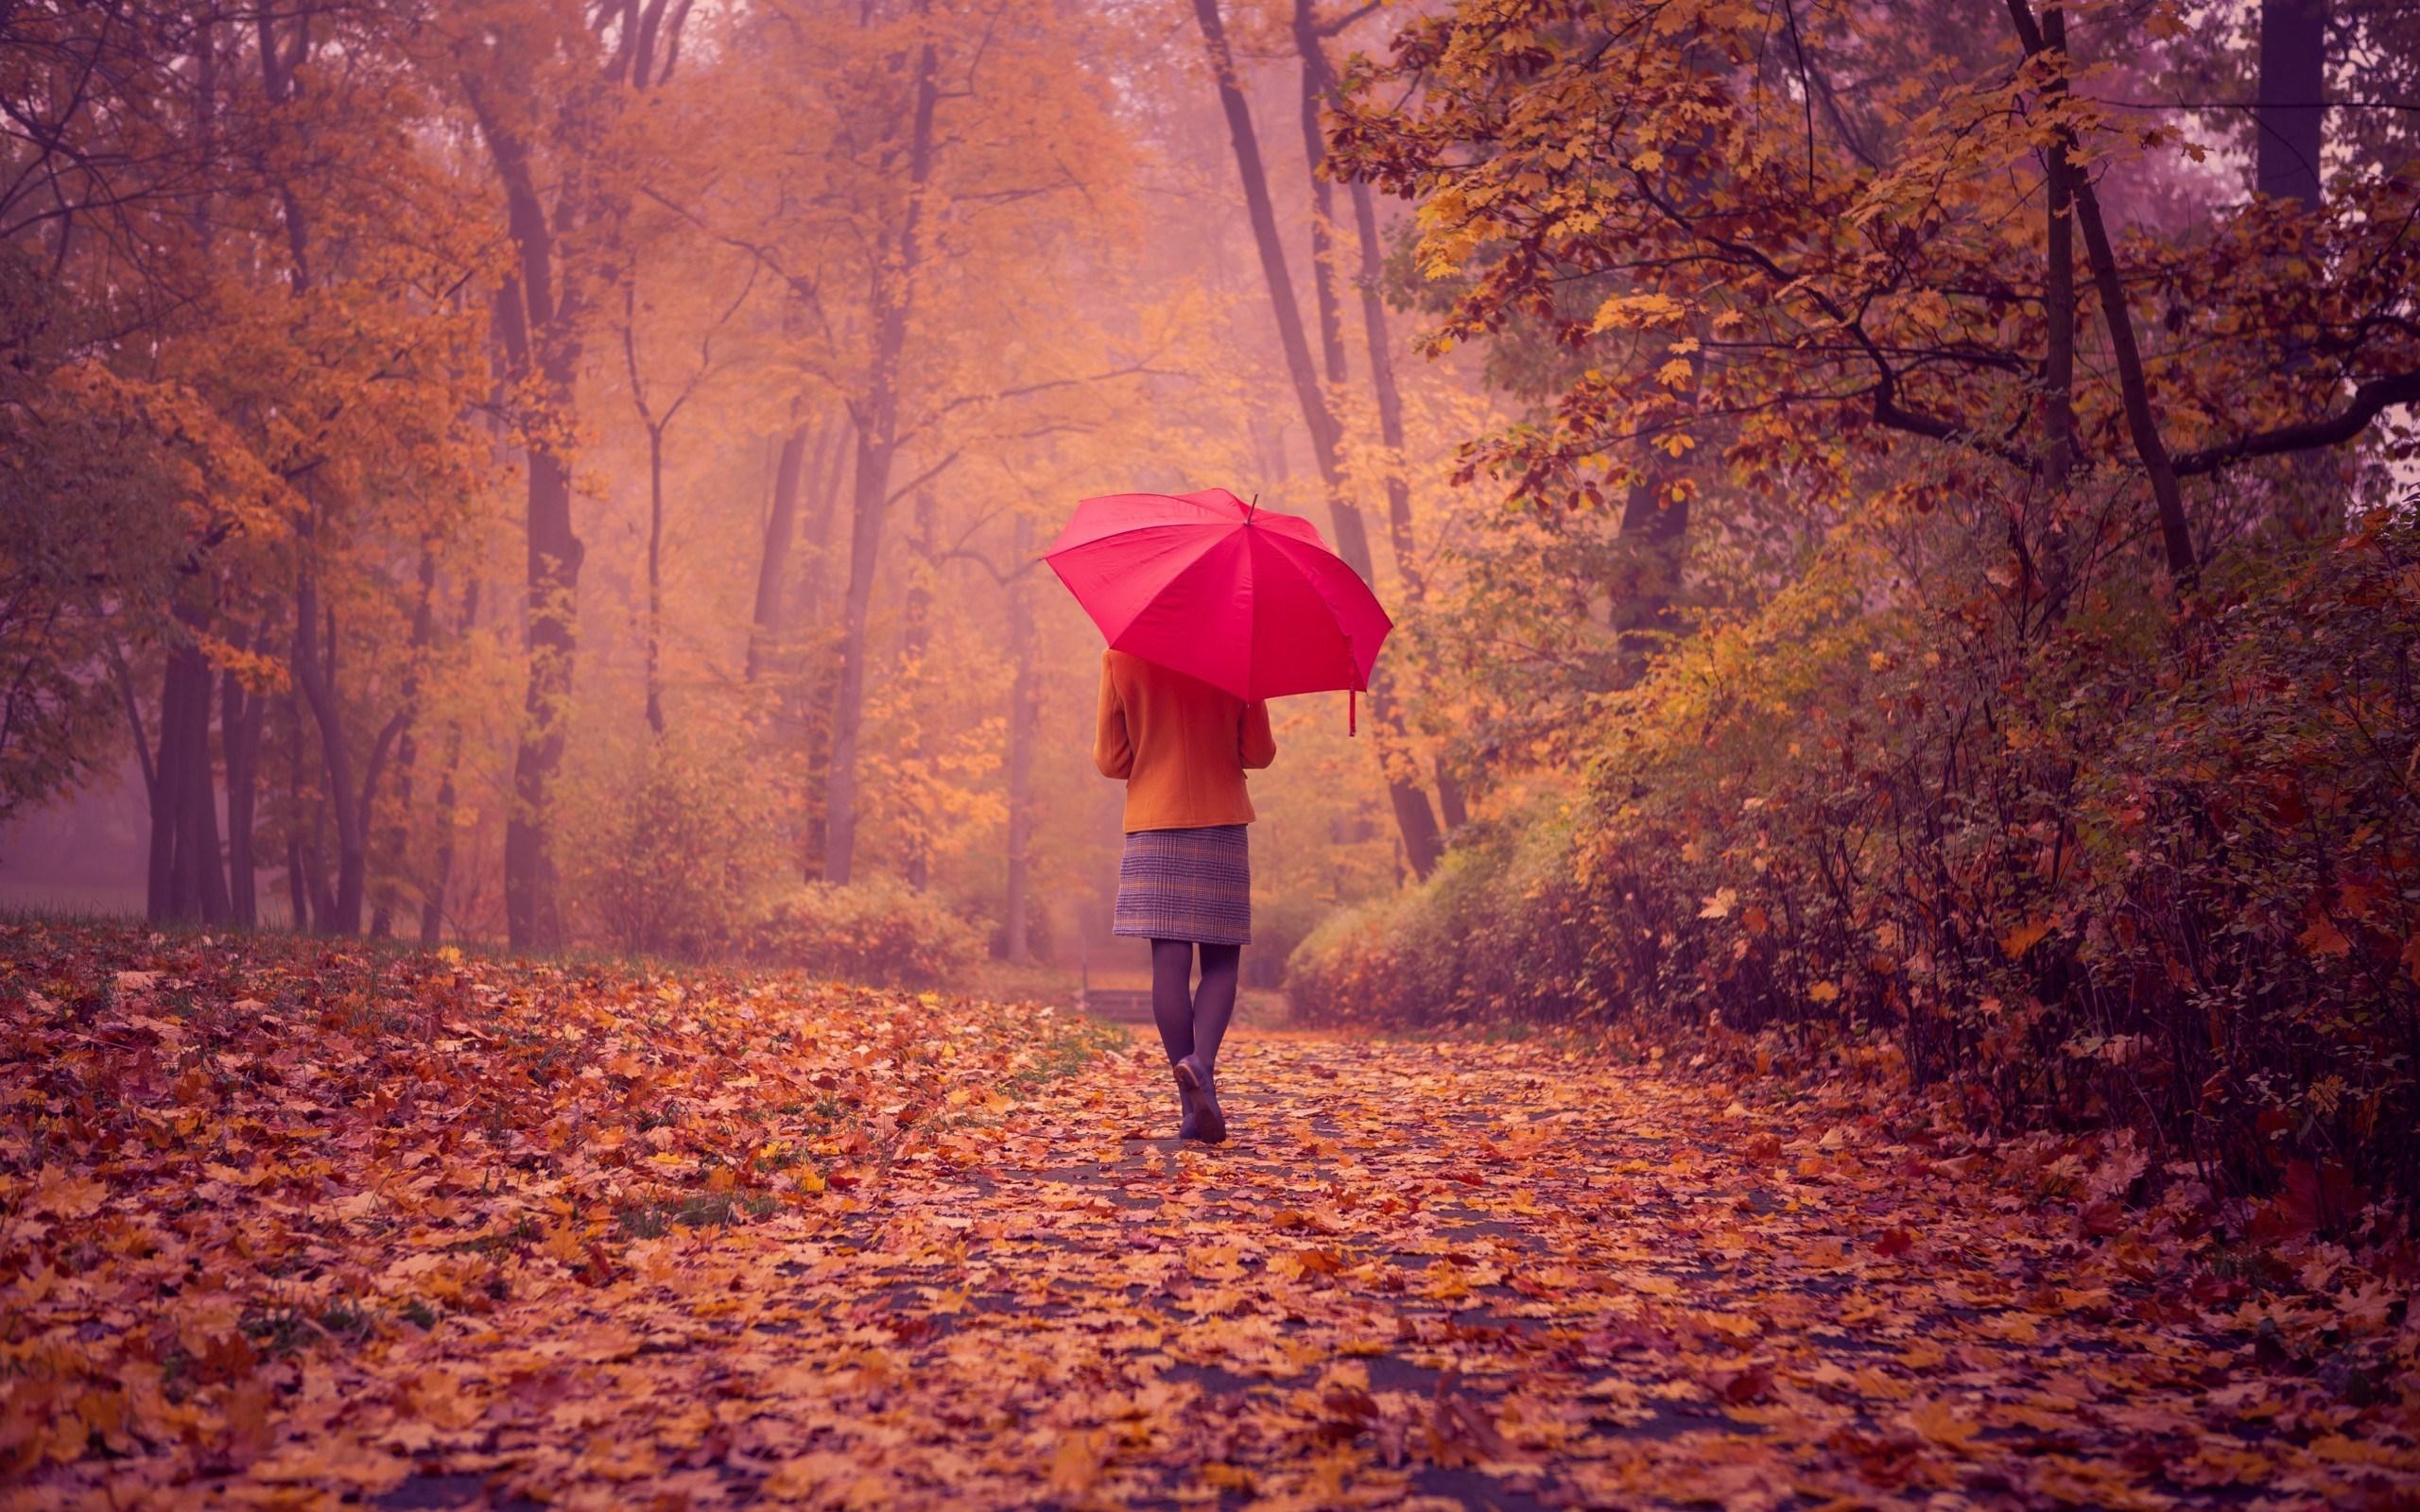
(1832, 263)
(549, 96)
(1415, 820)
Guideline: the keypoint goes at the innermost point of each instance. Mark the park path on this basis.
(1454, 1275)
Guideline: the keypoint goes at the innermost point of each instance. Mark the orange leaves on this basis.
(2023, 938)
(1523, 1277)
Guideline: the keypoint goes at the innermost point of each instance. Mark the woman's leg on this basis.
(1213, 1000)
(1172, 996)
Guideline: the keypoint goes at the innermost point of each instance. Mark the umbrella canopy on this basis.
(1244, 599)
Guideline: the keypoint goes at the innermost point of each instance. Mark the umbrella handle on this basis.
(1352, 706)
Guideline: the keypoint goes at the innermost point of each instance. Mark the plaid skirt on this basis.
(1191, 884)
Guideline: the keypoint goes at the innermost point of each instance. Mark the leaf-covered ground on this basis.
(430, 1232)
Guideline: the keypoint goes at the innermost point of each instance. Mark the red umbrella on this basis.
(1213, 588)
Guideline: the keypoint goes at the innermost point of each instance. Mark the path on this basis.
(1464, 1275)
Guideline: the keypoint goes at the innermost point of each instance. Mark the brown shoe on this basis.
(1210, 1122)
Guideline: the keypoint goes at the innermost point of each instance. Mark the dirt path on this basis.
(1423, 1277)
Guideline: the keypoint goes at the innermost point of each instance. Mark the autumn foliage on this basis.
(226, 1163)
(323, 1222)
(1972, 633)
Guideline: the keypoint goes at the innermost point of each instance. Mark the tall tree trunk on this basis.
(2134, 386)
(1414, 820)
(299, 869)
(394, 836)
(315, 674)
(1313, 97)
(1389, 396)
(201, 882)
(239, 738)
(915, 642)
(2292, 105)
(183, 878)
(830, 458)
(1452, 806)
(655, 579)
(766, 626)
(540, 324)
(167, 791)
(878, 418)
(440, 870)
(2059, 353)
(1353, 541)
(1025, 710)
(2290, 119)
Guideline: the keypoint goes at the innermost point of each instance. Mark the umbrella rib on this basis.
(1318, 583)
(1199, 551)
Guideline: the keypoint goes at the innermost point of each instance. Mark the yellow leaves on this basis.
(1720, 905)
(1636, 312)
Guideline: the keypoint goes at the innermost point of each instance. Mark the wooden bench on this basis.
(1119, 1004)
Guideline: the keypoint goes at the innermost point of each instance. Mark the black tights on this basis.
(1193, 1020)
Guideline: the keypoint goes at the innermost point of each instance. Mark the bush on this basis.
(2119, 867)
(883, 932)
(1486, 936)
(664, 841)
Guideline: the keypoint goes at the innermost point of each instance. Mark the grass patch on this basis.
(701, 1209)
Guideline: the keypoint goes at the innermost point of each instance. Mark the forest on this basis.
(550, 838)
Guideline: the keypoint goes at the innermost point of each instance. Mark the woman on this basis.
(1185, 881)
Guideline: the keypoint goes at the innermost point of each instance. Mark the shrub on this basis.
(664, 842)
(881, 931)
(1486, 936)
(2119, 866)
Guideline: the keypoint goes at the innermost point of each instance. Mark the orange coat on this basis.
(1181, 744)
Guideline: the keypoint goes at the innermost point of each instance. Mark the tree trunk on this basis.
(1353, 541)
(201, 880)
(2133, 388)
(540, 323)
(394, 836)
(167, 791)
(767, 627)
(2289, 120)
(915, 642)
(1414, 818)
(441, 871)
(2293, 89)
(1025, 708)
(1389, 397)
(831, 458)
(2059, 355)
(1451, 804)
(1313, 93)
(315, 675)
(239, 737)
(877, 441)
(297, 890)
(655, 579)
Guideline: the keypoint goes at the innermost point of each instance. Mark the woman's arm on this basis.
(1112, 752)
(1258, 746)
